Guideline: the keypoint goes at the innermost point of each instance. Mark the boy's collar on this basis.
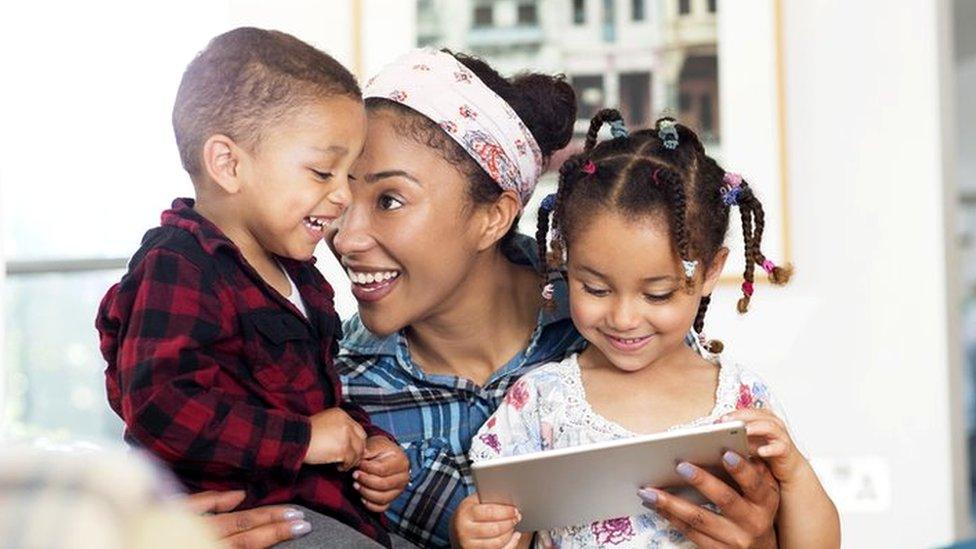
(182, 215)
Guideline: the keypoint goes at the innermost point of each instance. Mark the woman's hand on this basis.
(383, 473)
(252, 529)
(484, 525)
(746, 520)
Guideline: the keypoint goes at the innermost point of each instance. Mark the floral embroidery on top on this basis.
(398, 95)
(613, 531)
(517, 395)
(467, 112)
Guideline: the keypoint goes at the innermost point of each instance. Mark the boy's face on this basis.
(295, 183)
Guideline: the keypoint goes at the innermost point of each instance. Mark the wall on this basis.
(857, 345)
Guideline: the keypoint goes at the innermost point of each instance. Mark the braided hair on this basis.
(654, 171)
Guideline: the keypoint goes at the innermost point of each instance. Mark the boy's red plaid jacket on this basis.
(216, 373)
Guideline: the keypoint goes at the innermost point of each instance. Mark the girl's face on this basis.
(627, 291)
(410, 234)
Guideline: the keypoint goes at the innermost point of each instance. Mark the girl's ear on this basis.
(498, 218)
(714, 271)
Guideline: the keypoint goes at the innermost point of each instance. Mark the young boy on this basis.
(221, 335)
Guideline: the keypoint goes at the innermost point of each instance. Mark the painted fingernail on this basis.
(292, 514)
(356, 485)
(300, 528)
(732, 459)
(355, 475)
(648, 496)
(685, 470)
(518, 516)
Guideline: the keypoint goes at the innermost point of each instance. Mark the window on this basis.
(712, 6)
(579, 12)
(528, 14)
(66, 238)
(637, 10)
(483, 16)
(684, 102)
(589, 95)
(706, 118)
(635, 98)
(684, 7)
(609, 20)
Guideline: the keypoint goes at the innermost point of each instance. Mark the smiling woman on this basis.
(456, 314)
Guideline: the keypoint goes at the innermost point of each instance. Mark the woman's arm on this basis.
(746, 519)
(807, 517)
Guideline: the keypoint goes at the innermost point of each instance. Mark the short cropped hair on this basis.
(245, 80)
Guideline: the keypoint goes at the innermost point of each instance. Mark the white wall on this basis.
(857, 345)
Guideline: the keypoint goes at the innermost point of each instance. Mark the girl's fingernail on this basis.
(355, 475)
(356, 485)
(685, 470)
(649, 497)
(300, 528)
(732, 459)
(292, 514)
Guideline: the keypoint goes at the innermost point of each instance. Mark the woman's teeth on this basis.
(371, 278)
(316, 223)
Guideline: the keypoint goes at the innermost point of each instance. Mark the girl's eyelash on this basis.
(322, 175)
(659, 298)
(595, 291)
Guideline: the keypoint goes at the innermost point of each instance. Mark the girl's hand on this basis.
(383, 473)
(770, 440)
(484, 526)
(746, 519)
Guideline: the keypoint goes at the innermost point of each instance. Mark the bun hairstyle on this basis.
(659, 171)
(545, 103)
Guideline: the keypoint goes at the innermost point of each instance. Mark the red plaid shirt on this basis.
(216, 373)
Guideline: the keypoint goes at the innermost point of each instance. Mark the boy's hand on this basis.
(485, 526)
(770, 440)
(383, 473)
(336, 438)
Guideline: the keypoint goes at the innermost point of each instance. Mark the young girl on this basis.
(638, 226)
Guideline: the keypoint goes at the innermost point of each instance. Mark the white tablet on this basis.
(584, 484)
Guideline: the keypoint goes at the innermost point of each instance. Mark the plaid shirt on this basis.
(434, 417)
(216, 373)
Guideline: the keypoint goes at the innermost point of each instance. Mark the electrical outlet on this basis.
(856, 484)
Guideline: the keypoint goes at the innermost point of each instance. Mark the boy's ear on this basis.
(221, 161)
(499, 216)
(714, 272)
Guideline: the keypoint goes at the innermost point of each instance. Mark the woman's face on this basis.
(409, 237)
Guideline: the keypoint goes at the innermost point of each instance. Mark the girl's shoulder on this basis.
(552, 375)
(741, 387)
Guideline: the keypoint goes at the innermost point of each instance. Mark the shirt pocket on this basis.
(435, 456)
(281, 351)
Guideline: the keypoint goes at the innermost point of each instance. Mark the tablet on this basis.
(584, 484)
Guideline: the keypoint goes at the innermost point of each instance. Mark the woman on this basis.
(450, 310)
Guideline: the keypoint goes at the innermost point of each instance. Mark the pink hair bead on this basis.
(747, 288)
(768, 266)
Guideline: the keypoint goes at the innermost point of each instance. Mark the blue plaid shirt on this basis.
(434, 417)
